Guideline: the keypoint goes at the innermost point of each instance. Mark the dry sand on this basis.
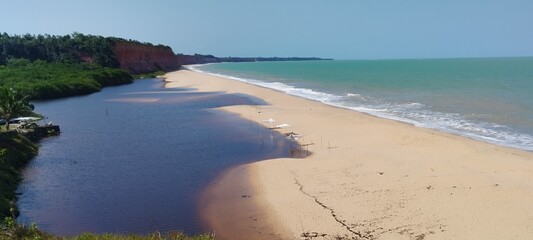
(367, 178)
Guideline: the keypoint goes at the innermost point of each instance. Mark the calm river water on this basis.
(134, 159)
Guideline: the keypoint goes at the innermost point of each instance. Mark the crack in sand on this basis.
(359, 234)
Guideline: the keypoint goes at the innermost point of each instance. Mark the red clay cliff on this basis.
(139, 58)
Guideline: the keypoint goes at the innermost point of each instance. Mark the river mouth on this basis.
(135, 159)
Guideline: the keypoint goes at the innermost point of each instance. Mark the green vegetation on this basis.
(75, 48)
(10, 229)
(13, 105)
(16, 152)
(48, 66)
(43, 80)
(156, 236)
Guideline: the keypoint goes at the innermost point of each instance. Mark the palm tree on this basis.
(12, 105)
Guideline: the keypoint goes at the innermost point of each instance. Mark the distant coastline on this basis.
(203, 59)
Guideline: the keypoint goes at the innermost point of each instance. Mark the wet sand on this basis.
(368, 178)
(240, 212)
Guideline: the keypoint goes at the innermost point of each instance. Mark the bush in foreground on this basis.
(11, 230)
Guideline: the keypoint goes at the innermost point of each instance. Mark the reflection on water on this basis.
(133, 159)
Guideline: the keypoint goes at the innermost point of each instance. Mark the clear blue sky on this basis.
(341, 29)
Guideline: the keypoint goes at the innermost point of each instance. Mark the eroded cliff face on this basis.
(139, 58)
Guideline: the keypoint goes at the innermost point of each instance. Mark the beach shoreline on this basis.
(374, 178)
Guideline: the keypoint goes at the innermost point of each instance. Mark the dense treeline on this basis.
(43, 80)
(75, 48)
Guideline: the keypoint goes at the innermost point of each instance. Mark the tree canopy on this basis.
(14, 105)
(43, 80)
(73, 48)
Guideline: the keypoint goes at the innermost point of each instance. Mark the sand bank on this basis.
(372, 178)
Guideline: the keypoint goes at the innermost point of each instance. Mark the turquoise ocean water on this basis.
(489, 99)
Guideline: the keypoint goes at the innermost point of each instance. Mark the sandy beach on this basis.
(367, 178)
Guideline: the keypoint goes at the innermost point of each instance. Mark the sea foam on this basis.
(415, 113)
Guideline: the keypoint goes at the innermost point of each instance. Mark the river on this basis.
(135, 158)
